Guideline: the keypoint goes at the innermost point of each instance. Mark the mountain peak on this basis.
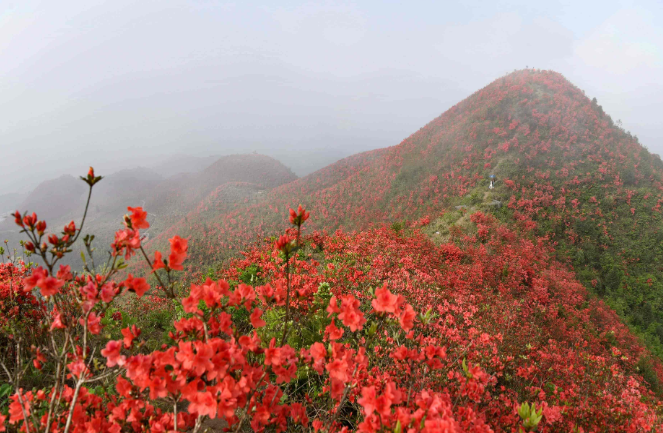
(248, 168)
(564, 171)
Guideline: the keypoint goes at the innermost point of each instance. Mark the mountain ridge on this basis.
(63, 199)
(547, 143)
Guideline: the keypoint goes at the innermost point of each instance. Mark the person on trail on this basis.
(492, 181)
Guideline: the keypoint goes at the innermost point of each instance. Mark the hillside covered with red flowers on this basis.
(410, 291)
(381, 330)
(560, 163)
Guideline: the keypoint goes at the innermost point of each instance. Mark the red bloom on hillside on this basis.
(282, 242)
(129, 335)
(298, 218)
(126, 240)
(138, 218)
(137, 285)
(64, 273)
(333, 331)
(70, 229)
(48, 285)
(158, 261)
(18, 219)
(16, 409)
(37, 362)
(406, 318)
(350, 315)
(113, 355)
(273, 354)
(93, 323)
(57, 321)
(385, 301)
(178, 249)
(368, 400)
(29, 220)
(77, 367)
(41, 227)
(107, 292)
(332, 308)
(318, 353)
(256, 321)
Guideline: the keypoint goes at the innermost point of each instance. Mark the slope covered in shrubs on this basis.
(560, 161)
(380, 330)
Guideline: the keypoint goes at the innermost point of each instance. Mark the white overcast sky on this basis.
(119, 83)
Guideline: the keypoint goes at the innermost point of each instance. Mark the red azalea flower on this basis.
(350, 314)
(138, 216)
(385, 301)
(256, 321)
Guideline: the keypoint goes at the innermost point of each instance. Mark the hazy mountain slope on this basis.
(178, 164)
(167, 200)
(536, 130)
(179, 195)
(55, 198)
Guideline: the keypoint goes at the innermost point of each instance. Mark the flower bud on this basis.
(18, 219)
(298, 218)
(285, 244)
(41, 227)
(30, 220)
(70, 229)
(91, 179)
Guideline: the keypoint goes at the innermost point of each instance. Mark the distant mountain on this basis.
(178, 164)
(565, 172)
(117, 189)
(166, 199)
(179, 195)
(56, 198)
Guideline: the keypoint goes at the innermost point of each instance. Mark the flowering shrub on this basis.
(374, 331)
(20, 311)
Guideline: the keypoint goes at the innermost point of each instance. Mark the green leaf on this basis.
(5, 390)
(466, 370)
(373, 328)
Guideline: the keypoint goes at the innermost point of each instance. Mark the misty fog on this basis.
(124, 84)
